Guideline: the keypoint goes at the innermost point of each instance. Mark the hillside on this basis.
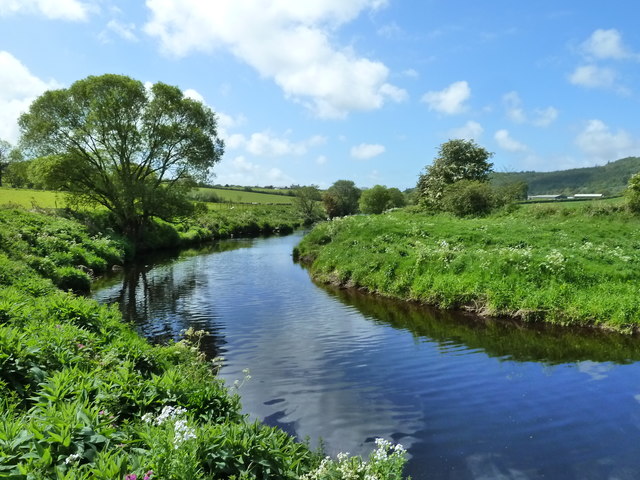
(610, 179)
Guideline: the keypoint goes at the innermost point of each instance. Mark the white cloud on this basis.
(240, 171)
(73, 10)
(513, 104)
(592, 76)
(469, 131)
(193, 95)
(411, 73)
(541, 117)
(123, 30)
(607, 44)
(18, 88)
(265, 144)
(450, 100)
(288, 41)
(600, 144)
(365, 151)
(544, 116)
(321, 160)
(506, 142)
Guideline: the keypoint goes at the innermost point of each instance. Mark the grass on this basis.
(557, 263)
(241, 196)
(24, 197)
(82, 396)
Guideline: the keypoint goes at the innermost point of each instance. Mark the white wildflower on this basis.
(73, 458)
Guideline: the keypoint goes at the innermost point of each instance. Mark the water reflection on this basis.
(504, 338)
(472, 398)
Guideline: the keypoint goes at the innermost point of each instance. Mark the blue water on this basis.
(469, 398)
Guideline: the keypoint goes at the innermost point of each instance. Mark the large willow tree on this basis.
(110, 141)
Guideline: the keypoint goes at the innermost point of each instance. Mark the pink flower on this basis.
(81, 346)
(131, 476)
(148, 475)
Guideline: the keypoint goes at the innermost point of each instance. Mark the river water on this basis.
(469, 398)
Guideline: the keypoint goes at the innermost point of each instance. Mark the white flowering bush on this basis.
(385, 463)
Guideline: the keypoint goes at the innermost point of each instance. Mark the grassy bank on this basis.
(577, 265)
(82, 396)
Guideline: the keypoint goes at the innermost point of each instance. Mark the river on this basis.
(470, 398)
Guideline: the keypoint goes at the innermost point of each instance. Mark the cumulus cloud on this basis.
(365, 151)
(593, 76)
(265, 144)
(449, 101)
(18, 88)
(123, 30)
(469, 131)
(598, 142)
(72, 10)
(607, 44)
(506, 142)
(541, 117)
(240, 171)
(288, 41)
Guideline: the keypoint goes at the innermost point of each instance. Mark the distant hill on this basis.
(609, 179)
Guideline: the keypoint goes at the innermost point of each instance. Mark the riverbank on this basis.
(83, 396)
(553, 263)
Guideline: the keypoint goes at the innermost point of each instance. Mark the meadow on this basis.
(567, 264)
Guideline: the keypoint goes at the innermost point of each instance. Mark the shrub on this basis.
(467, 198)
(70, 278)
(633, 194)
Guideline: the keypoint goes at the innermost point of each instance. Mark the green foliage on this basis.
(110, 142)
(307, 202)
(457, 160)
(466, 198)
(341, 199)
(566, 264)
(380, 198)
(633, 193)
(609, 179)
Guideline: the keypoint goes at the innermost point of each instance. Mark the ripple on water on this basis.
(469, 402)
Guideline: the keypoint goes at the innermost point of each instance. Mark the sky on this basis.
(310, 92)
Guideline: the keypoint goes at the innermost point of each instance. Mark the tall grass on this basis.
(578, 265)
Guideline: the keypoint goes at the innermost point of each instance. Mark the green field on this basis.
(561, 263)
(46, 199)
(31, 198)
(238, 196)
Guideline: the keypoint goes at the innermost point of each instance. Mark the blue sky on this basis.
(310, 92)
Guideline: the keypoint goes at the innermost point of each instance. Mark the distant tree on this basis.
(510, 192)
(5, 150)
(396, 198)
(380, 198)
(17, 174)
(112, 142)
(457, 160)
(307, 201)
(341, 199)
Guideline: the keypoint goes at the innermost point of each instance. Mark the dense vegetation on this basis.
(82, 396)
(558, 263)
(609, 179)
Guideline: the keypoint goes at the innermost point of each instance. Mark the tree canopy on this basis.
(456, 160)
(341, 199)
(379, 198)
(108, 140)
(307, 202)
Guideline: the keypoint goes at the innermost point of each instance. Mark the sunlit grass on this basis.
(570, 265)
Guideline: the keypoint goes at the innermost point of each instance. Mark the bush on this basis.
(468, 198)
(633, 194)
(70, 278)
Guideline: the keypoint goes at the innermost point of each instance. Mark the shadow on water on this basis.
(507, 339)
(151, 294)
